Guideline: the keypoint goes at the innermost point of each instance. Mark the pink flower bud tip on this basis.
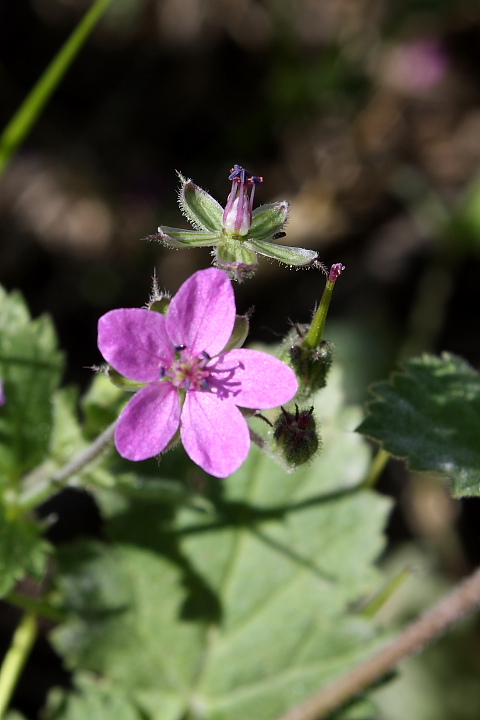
(335, 272)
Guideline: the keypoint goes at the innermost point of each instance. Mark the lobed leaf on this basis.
(31, 369)
(236, 611)
(429, 414)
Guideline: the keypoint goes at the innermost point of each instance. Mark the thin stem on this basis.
(40, 608)
(40, 491)
(388, 590)
(464, 598)
(257, 439)
(25, 117)
(314, 336)
(377, 467)
(15, 659)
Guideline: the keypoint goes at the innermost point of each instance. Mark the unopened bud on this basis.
(296, 436)
(311, 365)
(159, 301)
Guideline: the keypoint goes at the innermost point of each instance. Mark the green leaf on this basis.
(429, 414)
(31, 368)
(101, 405)
(93, 700)
(240, 612)
(22, 550)
(201, 209)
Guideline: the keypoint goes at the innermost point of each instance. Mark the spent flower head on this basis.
(237, 232)
(190, 380)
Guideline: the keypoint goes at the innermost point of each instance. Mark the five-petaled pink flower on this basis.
(190, 382)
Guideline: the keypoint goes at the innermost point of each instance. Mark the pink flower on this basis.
(238, 213)
(190, 382)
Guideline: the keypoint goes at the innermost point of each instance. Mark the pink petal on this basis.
(214, 433)
(135, 342)
(149, 422)
(202, 313)
(253, 379)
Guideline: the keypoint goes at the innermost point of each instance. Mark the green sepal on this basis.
(201, 209)
(122, 382)
(239, 334)
(283, 253)
(236, 251)
(235, 259)
(187, 238)
(268, 219)
(160, 304)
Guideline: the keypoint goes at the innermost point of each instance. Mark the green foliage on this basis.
(94, 700)
(31, 368)
(430, 414)
(237, 609)
(22, 550)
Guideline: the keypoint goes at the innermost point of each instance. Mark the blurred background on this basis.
(365, 115)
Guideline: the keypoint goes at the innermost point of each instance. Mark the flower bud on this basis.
(158, 301)
(311, 365)
(296, 436)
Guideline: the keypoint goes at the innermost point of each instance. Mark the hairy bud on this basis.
(296, 436)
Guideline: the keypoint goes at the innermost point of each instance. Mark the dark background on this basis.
(365, 115)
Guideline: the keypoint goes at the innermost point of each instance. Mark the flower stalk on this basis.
(15, 659)
(314, 336)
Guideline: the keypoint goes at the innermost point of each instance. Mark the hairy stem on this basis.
(461, 600)
(41, 490)
(15, 659)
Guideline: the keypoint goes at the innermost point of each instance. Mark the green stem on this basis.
(391, 587)
(15, 659)
(41, 490)
(377, 467)
(40, 608)
(26, 116)
(314, 336)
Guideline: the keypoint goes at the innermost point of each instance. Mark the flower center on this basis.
(188, 372)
